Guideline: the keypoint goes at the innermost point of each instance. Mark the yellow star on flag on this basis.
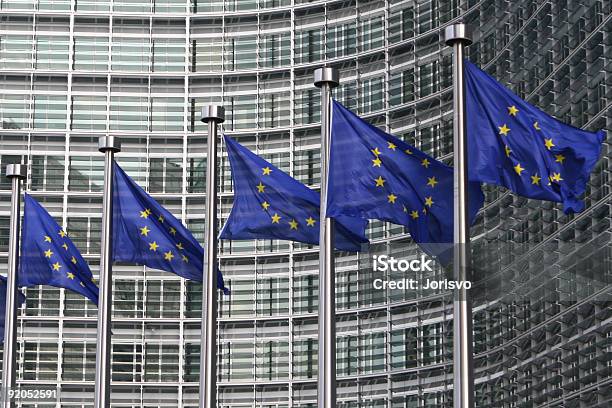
(376, 151)
(556, 177)
(380, 182)
(168, 255)
(414, 214)
(429, 201)
(508, 151)
(404, 208)
(260, 188)
(56, 266)
(549, 143)
(275, 218)
(408, 151)
(70, 275)
(82, 284)
(144, 214)
(536, 126)
(265, 205)
(47, 238)
(503, 130)
(62, 233)
(391, 198)
(185, 259)
(172, 231)
(535, 179)
(425, 163)
(153, 246)
(518, 169)
(512, 110)
(431, 181)
(310, 222)
(391, 146)
(266, 171)
(65, 246)
(144, 231)
(73, 260)
(293, 224)
(48, 253)
(376, 162)
(180, 246)
(559, 158)
(161, 219)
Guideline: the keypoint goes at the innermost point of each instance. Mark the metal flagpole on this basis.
(458, 37)
(212, 115)
(16, 173)
(326, 79)
(109, 145)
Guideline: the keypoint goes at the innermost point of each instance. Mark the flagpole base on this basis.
(214, 113)
(457, 32)
(16, 170)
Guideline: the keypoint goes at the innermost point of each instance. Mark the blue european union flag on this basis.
(271, 204)
(146, 233)
(48, 256)
(20, 300)
(375, 175)
(515, 145)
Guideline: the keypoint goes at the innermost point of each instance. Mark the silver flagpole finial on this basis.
(16, 170)
(109, 143)
(457, 32)
(326, 75)
(213, 113)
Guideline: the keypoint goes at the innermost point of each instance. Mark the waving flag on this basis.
(375, 175)
(146, 233)
(48, 256)
(515, 145)
(271, 204)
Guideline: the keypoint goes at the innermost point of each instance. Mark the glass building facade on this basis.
(73, 70)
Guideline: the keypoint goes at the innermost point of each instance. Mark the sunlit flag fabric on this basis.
(271, 204)
(515, 145)
(375, 175)
(146, 233)
(48, 256)
(20, 300)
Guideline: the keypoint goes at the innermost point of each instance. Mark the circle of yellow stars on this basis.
(379, 182)
(56, 266)
(275, 218)
(549, 144)
(153, 245)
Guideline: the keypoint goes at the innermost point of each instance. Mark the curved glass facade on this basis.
(72, 70)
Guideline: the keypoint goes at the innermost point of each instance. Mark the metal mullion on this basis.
(111, 41)
(255, 323)
(143, 342)
(67, 127)
(183, 282)
(386, 90)
(151, 69)
(182, 356)
(292, 148)
(33, 54)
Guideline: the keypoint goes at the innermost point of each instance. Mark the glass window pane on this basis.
(91, 53)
